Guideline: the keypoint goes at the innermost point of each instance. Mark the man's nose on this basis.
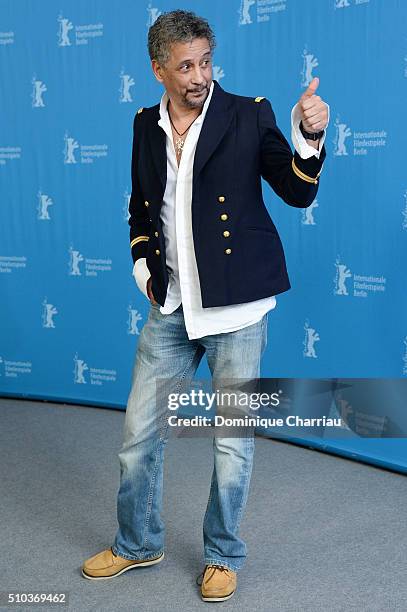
(197, 76)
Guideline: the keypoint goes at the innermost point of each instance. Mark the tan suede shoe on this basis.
(107, 565)
(218, 583)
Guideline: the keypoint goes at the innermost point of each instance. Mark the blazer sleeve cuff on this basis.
(138, 247)
(308, 169)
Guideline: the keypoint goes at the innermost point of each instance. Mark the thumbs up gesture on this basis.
(314, 111)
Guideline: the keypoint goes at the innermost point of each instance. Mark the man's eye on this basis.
(186, 66)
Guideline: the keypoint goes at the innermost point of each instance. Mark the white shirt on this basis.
(175, 214)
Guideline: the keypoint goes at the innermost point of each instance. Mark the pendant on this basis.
(180, 145)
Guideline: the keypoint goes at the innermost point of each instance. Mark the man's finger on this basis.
(312, 112)
(311, 102)
(312, 87)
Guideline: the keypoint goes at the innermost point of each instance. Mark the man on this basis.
(208, 257)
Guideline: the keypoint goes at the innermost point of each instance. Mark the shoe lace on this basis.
(215, 567)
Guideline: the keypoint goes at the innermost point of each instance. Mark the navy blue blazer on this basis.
(239, 253)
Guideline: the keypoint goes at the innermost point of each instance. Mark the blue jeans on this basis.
(164, 349)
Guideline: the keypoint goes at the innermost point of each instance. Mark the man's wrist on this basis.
(313, 143)
(310, 135)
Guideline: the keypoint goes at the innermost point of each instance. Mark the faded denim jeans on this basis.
(164, 350)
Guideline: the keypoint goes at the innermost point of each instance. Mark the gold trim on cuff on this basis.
(138, 239)
(304, 176)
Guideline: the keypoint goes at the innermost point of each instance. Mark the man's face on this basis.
(187, 75)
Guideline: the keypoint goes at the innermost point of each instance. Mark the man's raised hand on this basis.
(314, 111)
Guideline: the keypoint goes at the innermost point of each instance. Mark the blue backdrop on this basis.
(73, 75)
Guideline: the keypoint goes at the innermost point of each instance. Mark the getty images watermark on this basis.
(237, 401)
(329, 408)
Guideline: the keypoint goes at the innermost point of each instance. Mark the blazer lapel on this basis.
(217, 120)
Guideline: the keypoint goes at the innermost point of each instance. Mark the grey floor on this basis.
(323, 533)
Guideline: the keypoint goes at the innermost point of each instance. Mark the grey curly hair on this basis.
(176, 26)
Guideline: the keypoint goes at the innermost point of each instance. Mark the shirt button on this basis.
(226, 234)
(157, 251)
(221, 198)
(228, 251)
(156, 234)
(146, 203)
(224, 217)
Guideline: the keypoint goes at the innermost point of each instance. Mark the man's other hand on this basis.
(149, 291)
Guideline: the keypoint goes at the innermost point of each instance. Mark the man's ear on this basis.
(157, 69)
